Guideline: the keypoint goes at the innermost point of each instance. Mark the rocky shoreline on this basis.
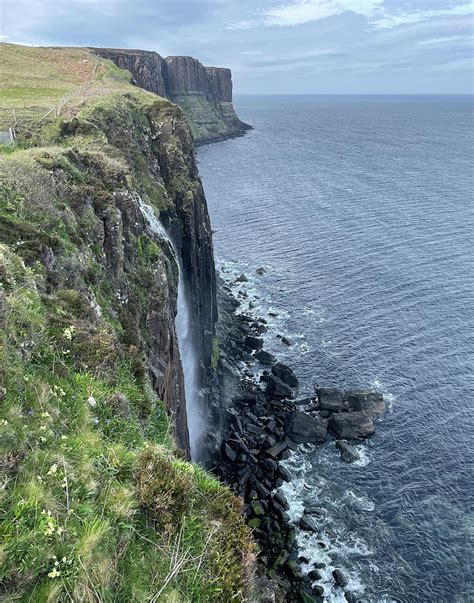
(262, 422)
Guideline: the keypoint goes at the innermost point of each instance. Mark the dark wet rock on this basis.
(230, 453)
(314, 510)
(260, 271)
(241, 278)
(330, 399)
(365, 400)
(276, 388)
(253, 343)
(285, 373)
(351, 425)
(339, 578)
(265, 357)
(284, 339)
(350, 597)
(276, 450)
(304, 428)
(308, 523)
(315, 575)
(281, 500)
(261, 328)
(348, 453)
(284, 473)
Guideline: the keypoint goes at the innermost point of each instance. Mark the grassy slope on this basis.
(94, 503)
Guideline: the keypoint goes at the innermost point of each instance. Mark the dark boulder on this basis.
(365, 400)
(304, 428)
(241, 278)
(253, 343)
(339, 577)
(283, 338)
(351, 425)
(276, 450)
(348, 454)
(350, 597)
(276, 388)
(330, 399)
(265, 357)
(260, 271)
(314, 510)
(230, 453)
(285, 373)
(308, 523)
(315, 575)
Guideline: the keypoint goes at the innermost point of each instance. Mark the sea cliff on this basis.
(98, 500)
(204, 93)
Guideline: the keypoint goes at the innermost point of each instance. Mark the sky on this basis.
(274, 46)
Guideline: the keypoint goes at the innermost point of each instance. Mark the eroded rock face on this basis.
(204, 93)
(220, 83)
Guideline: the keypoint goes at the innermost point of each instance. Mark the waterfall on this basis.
(184, 332)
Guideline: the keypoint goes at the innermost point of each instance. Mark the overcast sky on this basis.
(275, 46)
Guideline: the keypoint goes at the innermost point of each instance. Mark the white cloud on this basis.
(299, 12)
(388, 20)
(445, 40)
(305, 11)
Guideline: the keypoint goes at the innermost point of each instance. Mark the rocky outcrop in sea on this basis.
(263, 420)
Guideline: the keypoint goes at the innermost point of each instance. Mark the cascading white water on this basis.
(187, 349)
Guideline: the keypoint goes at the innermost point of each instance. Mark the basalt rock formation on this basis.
(204, 93)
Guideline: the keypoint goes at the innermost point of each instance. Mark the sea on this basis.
(360, 210)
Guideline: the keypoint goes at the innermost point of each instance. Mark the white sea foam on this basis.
(360, 502)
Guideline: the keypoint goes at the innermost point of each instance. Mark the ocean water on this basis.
(360, 209)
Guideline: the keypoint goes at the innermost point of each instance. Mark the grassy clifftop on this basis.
(96, 503)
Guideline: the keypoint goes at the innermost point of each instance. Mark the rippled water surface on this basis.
(361, 212)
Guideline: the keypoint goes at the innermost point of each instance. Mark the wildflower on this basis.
(64, 559)
(64, 437)
(54, 574)
(42, 439)
(92, 401)
(69, 332)
(59, 530)
(53, 469)
(43, 428)
(45, 415)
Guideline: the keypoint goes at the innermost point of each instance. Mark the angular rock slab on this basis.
(351, 425)
(365, 400)
(303, 428)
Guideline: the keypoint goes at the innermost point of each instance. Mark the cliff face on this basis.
(91, 378)
(204, 93)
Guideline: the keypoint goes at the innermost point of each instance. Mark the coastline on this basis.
(265, 422)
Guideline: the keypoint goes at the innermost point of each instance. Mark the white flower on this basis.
(92, 401)
(53, 469)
